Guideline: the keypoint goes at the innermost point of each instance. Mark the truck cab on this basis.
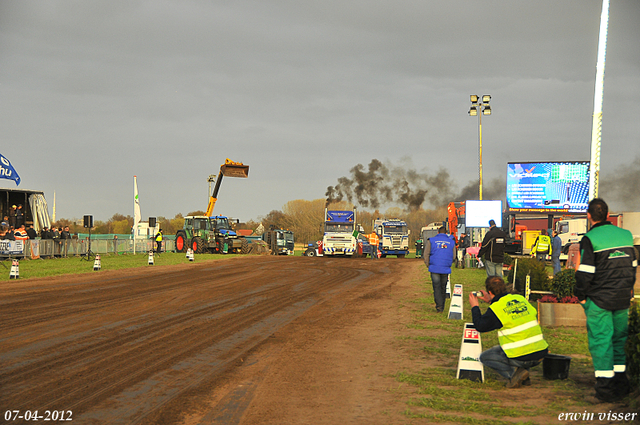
(394, 237)
(339, 227)
(571, 231)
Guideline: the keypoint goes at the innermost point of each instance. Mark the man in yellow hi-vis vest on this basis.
(159, 241)
(522, 345)
(542, 246)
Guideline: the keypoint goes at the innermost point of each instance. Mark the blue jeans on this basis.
(496, 359)
(556, 264)
(439, 283)
(493, 269)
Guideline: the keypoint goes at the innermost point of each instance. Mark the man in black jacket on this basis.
(493, 247)
(604, 286)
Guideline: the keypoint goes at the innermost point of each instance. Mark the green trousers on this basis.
(608, 332)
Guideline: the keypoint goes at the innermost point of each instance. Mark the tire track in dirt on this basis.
(123, 332)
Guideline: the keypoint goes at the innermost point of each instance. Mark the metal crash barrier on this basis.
(51, 248)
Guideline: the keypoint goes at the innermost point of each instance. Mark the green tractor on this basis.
(209, 234)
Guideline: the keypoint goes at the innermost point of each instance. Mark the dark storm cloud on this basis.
(167, 90)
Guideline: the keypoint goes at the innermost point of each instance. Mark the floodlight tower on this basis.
(480, 107)
(596, 131)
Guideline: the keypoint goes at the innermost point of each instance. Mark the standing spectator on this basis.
(46, 234)
(604, 286)
(522, 345)
(19, 216)
(493, 247)
(64, 233)
(12, 216)
(556, 250)
(438, 257)
(31, 232)
(159, 241)
(374, 241)
(463, 244)
(541, 246)
(21, 234)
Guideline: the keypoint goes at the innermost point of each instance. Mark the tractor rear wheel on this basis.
(245, 246)
(197, 245)
(181, 242)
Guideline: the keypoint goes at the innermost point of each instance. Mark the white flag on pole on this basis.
(136, 207)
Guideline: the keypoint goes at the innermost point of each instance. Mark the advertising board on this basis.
(548, 187)
(478, 213)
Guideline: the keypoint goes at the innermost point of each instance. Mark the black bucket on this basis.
(555, 366)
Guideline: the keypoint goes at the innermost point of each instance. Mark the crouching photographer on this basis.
(522, 345)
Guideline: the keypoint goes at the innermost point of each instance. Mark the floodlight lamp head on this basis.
(486, 98)
(486, 110)
(474, 98)
(473, 111)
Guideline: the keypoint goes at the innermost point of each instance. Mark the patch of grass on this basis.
(74, 265)
(480, 403)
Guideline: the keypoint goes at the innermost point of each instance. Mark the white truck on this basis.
(393, 234)
(339, 232)
(570, 231)
(631, 221)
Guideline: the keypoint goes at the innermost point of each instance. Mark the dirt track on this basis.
(159, 345)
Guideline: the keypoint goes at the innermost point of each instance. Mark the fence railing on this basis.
(44, 248)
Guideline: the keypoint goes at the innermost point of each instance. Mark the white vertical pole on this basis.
(596, 132)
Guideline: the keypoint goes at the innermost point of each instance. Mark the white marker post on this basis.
(455, 308)
(469, 366)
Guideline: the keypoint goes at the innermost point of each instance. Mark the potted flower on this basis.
(562, 308)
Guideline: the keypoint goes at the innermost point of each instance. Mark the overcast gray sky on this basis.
(93, 93)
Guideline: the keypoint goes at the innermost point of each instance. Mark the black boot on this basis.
(621, 385)
(606, 390)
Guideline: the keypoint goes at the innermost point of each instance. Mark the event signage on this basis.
(469, 366)
(455, 308)
(11, 247)
(7, 171)
(548, 187)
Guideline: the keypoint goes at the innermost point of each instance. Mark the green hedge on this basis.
(633, 344)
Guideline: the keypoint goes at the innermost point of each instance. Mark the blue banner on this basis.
(7, 171)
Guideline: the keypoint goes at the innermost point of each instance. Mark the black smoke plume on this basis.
(379, 184)
(621, 189)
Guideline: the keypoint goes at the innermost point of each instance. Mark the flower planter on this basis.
(559, 314)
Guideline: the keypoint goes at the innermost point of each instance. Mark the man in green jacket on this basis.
(604, 286)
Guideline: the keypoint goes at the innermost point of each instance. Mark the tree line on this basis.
(303, 217)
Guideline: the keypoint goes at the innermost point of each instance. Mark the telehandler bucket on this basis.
(234, 169)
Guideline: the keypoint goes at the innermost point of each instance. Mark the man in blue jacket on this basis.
(438, 256)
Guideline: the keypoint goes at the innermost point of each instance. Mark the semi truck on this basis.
(394, 237)
(280, 241)
(339, 227)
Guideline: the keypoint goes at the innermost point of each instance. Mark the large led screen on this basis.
(548, 186)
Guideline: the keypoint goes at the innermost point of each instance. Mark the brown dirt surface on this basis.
(251, 340)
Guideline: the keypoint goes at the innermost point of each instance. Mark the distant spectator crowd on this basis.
(12, 228)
